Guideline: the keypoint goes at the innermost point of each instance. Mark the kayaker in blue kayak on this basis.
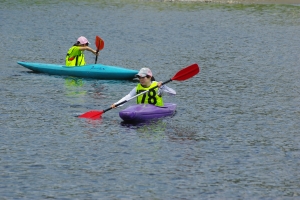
(154, 96)
(75, 56)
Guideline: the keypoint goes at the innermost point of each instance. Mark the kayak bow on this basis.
(146, 112)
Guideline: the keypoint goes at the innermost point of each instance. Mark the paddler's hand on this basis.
(113, 106)
(83, 48)
(159, 84)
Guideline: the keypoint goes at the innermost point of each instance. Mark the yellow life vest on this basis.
(75, 57)
(150, 97)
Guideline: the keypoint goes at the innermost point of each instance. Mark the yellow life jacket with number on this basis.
(75, 57)
(150, 97)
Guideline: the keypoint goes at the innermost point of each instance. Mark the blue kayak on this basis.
(146, 112)
(97, 71)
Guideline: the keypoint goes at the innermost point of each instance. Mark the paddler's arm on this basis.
(89, 49)
(128, 96)
(165, 89)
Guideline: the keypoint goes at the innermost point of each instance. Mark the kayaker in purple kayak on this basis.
(154, 96)
(75, 56)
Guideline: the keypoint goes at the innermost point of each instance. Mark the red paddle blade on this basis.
(93, 114)
(99, 43)
(186, 73)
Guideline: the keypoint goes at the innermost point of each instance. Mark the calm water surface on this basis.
(236, 131)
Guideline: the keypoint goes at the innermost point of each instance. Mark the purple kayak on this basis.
(145, 112)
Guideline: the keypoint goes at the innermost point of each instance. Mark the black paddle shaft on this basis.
(96, 57)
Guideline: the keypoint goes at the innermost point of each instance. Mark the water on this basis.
(236, 131)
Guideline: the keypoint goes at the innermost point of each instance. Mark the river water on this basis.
(235, 134)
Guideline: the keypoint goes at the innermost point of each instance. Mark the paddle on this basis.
(100, 45)
(181, 75)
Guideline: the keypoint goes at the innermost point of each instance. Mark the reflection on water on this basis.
(163, 127)
(76, 90)
(74, 87)
(98, 90)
